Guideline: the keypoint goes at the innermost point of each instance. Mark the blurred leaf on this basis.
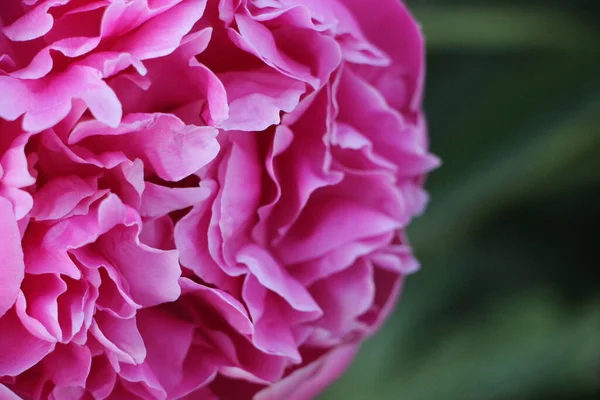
(491, 27)
(524, 169)
(515, 349)
(520, 347)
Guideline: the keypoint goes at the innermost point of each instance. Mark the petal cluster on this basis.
(202, 199)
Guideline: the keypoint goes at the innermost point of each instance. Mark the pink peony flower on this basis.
(202, 199)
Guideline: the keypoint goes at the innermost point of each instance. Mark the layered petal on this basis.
(203, 199)
(12, 268)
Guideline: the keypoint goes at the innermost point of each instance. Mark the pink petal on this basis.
(133, 260)
(306, 382)
(42, 292)
(33, 24)
(45, 102)
(20, 350)
(294, 51)
(226, 305)
(273, 334)
(75, 362)
(402, 83)
(120, 336)
(193, 242)
(162, 34)
(297, 247)
(256, 98)
(101, 379)
(160, 200)
(165, 144)
(270, 274)
(12, 268)
(174, 362)
(60, 196)
(344, 297)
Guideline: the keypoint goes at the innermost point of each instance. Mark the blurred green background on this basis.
(507, 304)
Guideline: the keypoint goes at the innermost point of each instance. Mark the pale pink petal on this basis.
(7, 394)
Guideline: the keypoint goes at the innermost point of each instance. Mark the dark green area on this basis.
(507, 304)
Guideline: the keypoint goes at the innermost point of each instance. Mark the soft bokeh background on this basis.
(507, 304)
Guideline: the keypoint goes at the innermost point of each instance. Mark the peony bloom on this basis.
(202, 199)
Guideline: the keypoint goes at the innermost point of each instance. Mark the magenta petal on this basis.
(203, 199)
(12, 268)
(194, 244)
(60, 196)
(171, 148)
(42, 292)
(344, 297)
(76, 361)
(168, 341)
(133, 259)
(305, 383)
(140, 381)
(46, 103)
(33, 24)
(298, 52)
(102, 377)
(257, 98)
(171, 360)
(230, 308)
(402, 83)
(159, 200)
(275, 278)
(20, 350)
(120, 336)
(162, 34)
(313, 238)
(273, 334)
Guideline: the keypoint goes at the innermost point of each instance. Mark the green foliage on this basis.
(507, 304)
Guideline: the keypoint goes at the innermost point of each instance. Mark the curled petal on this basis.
(44, 103)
